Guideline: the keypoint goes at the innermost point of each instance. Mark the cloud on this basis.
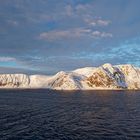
(83, 8)
(103, 22)
(86, 13)
(12, 22)
(97, 22)
(7, 59)
(98, 34)
(65, 34)
(73, 33)
(78, 12)
(69, 10)
(11, 70)
(64, 28)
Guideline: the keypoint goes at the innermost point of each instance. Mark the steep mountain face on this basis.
(14, 80)
(107, 76)
(132, 76)
(66, 81)
(103, 77)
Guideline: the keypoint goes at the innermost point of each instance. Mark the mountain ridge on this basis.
(105, 76)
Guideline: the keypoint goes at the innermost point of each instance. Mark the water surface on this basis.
(69, 115)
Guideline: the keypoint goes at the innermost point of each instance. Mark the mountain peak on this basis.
(107, 65)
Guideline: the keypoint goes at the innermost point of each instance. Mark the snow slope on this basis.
(103, 77)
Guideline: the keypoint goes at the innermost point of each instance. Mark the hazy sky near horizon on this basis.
(46, 36)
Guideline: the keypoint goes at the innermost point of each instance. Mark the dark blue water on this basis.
(75, 115)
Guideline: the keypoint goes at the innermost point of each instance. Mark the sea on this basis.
(42, 114)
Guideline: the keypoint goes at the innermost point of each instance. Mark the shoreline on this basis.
(70, 89)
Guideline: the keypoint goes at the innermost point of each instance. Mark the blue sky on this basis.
(46, 36)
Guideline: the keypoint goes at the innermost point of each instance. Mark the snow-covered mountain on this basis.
(103, 77)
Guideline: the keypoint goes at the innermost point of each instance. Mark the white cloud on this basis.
(59, 34)
(79, 15)
(73, 33)
(7, 59)
(83, 8)
(104, 34)
(98, 34)
(103, 22)
(85, 13)
(97, 22)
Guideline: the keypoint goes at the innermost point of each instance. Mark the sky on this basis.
(47, 36)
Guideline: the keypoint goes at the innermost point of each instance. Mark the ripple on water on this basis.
(43, 114)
